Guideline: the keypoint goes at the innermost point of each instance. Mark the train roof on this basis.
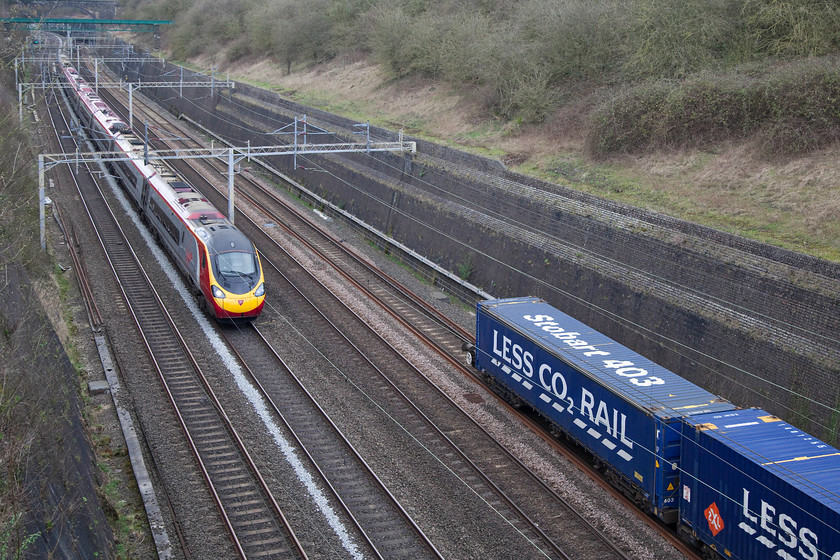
(798, 458)
(193, 208)
(673, 398)
(225, 238)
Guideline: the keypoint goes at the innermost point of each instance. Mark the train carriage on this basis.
(623, 408)
(756, 487)
(737, 483)
(220, 263)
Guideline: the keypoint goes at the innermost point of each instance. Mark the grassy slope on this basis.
(792, 203)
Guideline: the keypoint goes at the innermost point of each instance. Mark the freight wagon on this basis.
(739, 484)
(754, 486)
(623, 408)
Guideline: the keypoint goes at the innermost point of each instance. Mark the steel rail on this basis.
(464, 334)
(351, 511)
(87, 292)
(121, 257)
(74, 249)
(476, 469)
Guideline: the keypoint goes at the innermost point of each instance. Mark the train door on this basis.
(188, 256)
(204, 275)
(667, 480)
(138, 187)
(144, 197)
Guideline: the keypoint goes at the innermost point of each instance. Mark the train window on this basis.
(235, 263)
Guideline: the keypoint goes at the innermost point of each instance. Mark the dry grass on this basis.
(792, 203)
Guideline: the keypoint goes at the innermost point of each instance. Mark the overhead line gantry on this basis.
(301, 130)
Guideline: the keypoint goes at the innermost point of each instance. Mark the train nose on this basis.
(239, 304)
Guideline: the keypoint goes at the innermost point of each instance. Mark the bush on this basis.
(527, 96)
(801, 108)
(389, 39)
(576, 40)
(522, 57)
(627, 121)
(674, 38)
(794, 27)
(288, 31)
(465, 51)
(792, 110)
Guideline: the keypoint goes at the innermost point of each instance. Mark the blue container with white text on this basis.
(756, 487)
(622, 407)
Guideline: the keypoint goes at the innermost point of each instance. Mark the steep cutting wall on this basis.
(62, 513)
(742, 319)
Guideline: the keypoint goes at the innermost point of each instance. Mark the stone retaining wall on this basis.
(657, 284)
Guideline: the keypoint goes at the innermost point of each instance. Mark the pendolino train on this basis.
(220, 263)
(736, 483)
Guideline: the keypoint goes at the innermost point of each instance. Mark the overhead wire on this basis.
(637, 328)
(579, 248)
(594, 307)
(647, 333)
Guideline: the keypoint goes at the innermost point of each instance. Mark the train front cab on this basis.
(232, 277)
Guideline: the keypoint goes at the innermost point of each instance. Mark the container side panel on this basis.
(617, 403)
(755, 487)
(614, 430)
(639, 380)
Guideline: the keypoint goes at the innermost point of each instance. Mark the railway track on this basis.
(450, 338)
(756, 318)
(405, 307)
(493, 455)
(411, 311)
(387, 381)
(246, 506)
(384, 526)
(414, 314)
(447, 338)
(94, 316)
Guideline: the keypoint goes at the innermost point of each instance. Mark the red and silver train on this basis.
(221, 264)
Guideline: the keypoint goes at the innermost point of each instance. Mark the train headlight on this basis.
(217, 292)
(260, 290)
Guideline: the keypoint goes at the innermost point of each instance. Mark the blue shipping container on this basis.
(621, 406)
(756, 487)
